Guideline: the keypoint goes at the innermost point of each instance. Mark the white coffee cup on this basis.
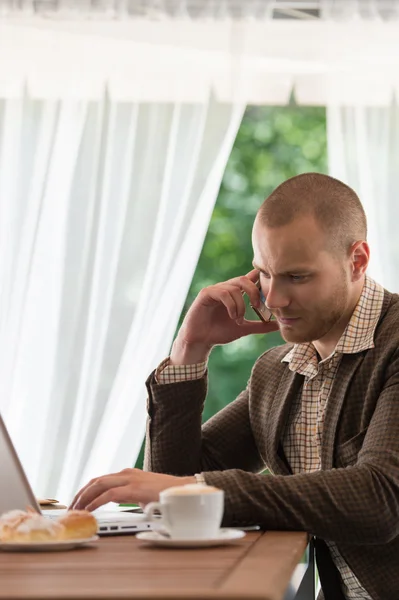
(189, 512)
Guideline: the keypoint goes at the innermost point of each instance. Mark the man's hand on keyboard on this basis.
(129, 485)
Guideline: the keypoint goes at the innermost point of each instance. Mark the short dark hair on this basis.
(332, 203)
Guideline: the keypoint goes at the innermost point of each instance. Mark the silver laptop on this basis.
(16, 493)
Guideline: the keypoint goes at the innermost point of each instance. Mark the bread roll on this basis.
(78, 524)
(29, 527)
(9, 520)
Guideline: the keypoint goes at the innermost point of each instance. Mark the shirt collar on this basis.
(358, 334)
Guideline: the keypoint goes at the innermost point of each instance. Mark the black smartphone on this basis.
(262, 311)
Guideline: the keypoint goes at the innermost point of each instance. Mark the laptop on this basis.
(16, 493)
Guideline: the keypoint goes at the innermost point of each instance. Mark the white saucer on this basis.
(158, 539)
(49, 546)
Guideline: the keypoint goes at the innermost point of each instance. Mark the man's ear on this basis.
(360, 256)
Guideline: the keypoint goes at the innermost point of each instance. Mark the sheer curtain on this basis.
(363, 142)
(363, 150)
(103, 210)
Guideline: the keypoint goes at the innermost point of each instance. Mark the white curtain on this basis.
(103, 210)
(363, 140)
(363, 150)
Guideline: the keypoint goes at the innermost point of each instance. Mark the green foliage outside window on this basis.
(273, 144)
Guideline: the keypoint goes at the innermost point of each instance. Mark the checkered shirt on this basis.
(304, 431)
(303, 434)
(173, 374)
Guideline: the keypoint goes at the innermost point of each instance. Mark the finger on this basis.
(253, 275)
(231, 297)
(80, 492)
(97, 488)
(117, 494)
(252, 291)
(248, 287)
(237, 292)
(240, 286)
(92, 482)
(256, 327)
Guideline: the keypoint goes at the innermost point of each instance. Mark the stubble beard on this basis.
(326, 318)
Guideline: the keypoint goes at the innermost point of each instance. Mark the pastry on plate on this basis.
(78, 524)
(9, 520)
(29, 526)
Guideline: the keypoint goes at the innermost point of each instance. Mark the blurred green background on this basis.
(272, 144)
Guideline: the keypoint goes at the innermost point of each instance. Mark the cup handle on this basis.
(150, 508)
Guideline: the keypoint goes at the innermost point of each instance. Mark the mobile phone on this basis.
(262, 311)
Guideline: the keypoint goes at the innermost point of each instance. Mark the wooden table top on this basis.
(259, 566)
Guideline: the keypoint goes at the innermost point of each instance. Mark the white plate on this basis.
(158, 539)
(49, 546)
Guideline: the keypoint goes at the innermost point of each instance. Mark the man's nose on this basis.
(276, 296)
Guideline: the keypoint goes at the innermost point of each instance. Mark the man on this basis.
(321, 412)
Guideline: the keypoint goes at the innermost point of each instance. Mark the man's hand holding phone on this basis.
(261, 310)
(217, 316)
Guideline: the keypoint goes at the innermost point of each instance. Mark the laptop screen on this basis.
(15, 491)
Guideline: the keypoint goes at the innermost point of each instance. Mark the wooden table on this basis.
(259, 566)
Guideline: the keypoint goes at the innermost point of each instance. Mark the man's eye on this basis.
(297, 277)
